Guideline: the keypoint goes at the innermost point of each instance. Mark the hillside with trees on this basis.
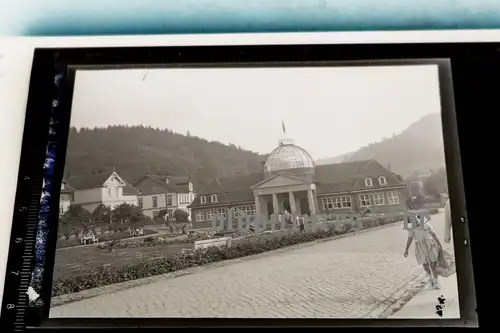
(137, 150)
(417, 149)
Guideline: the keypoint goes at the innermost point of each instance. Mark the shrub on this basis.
(149, 239)
(201, 235)
(177, 262)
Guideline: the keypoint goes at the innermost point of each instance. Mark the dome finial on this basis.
(284, 140)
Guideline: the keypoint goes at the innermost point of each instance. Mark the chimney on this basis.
(262, 164)
(389, 167)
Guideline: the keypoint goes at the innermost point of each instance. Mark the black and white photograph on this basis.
(255, 192)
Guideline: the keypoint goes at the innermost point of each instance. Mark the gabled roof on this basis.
(78, 183)
(329, 179)
(67, 188)
(286, 175)
(175, 185)
(88, 181)
(129, 189)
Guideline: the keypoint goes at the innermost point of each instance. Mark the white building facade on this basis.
(167, 193)
(108, 189)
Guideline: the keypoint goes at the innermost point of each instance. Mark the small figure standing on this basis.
(427, 248)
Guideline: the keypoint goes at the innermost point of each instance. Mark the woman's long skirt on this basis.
(426, 251)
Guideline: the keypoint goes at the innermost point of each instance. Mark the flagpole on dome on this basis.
(284, 139)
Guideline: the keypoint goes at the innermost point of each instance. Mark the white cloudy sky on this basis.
(328, 111)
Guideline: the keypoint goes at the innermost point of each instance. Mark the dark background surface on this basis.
(475, 74)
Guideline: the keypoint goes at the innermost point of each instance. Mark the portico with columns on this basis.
(285, 191)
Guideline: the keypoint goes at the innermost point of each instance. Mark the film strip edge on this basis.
(27, 211)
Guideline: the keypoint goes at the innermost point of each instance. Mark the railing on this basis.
(256, 223)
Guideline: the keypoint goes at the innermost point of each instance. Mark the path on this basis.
(353, 277)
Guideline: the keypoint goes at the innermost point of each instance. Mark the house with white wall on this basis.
(104, 188)
(164, 192)
(65, 198)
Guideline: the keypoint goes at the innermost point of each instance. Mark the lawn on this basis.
(71, 262)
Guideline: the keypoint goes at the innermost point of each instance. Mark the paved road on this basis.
(351, 277)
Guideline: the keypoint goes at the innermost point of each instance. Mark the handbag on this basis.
(446, 264)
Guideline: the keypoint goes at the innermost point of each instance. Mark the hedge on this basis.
(254, 245)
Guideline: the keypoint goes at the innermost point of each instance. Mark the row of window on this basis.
(207, 215)
(381, 180)
(182, 200)
(365, 200)
(213, 199)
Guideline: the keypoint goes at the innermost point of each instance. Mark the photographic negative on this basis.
(255, 192)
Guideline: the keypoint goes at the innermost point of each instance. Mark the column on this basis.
(258, 211)
(291, 198)
(276, 205)
(310, 199)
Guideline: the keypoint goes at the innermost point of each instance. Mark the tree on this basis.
(181, 215)
(126, 213)
(436, 184)
(101, 213)
(76, 215)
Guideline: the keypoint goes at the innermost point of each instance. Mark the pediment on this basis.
(114, 181)
(280, 180)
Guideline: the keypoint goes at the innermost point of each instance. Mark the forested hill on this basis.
(419, 148)
(135, 151)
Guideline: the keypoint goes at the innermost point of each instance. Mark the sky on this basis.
(328, 111)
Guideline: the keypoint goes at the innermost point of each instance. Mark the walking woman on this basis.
(427, 247)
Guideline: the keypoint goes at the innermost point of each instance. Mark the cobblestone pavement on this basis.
(353, 277)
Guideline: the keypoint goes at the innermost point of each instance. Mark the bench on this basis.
(89, 239)
(136, 232)
(208, 243)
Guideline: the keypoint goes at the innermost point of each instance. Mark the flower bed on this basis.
(143, 242)
(253, 245)
(63, 243)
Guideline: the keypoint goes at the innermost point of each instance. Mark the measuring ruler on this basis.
(21, 258)
(21, 253)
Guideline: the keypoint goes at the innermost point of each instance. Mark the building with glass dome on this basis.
(291, 181)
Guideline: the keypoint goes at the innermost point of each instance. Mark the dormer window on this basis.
(214, 198)
(203, 199)
(368, 182)
(382, 180)
(190, 187)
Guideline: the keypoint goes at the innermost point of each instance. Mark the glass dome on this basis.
(287, 157)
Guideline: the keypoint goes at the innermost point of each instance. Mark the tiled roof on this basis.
(88, 181)
(229, 189)
(79, 183)
(175, 185)
(350, 176)
(129, 189)
(329, 178)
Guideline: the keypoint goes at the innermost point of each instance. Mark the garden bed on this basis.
(163, 264)
(65, 243)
